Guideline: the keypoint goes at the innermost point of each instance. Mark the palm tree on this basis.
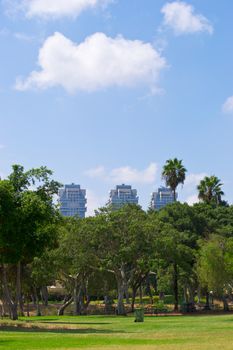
(173, 174)
(210, 190)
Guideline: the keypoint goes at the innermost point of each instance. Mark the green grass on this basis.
(118, 333)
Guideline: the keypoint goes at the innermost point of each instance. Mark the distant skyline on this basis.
(103, 92)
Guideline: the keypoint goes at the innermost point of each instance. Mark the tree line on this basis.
(180, 249)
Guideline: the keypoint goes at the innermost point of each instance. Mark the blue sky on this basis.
(104, 92)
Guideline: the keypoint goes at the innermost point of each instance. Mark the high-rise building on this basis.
(123, 194)
(162, 197)
(72, 201)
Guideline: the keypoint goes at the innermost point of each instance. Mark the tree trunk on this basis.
(12, 306)
(4, 306)
(1, 310)
(64, 306)
(207, 304)
(185, 295)
(38, 310)
(76, 298)
(120, 303)
(191, 295)
(148, 288)
(19, 289)
(134, 291)
(85, 298)
(85, 306)
(225, 303)
(45, 295)
(127, 293)
(33, 297)
(175, 288)
(198, 294)
(174, 195)
(140, 294)
(28, 311)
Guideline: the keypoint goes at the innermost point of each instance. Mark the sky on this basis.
(103, 92)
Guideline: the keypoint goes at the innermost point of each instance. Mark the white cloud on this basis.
(189, 192)
(228, 105)
(181, 17)
(53, 9)
(193, 179)
(126, 174)
(96, 63)
(96, 172)
(94, 202)
(192, 199)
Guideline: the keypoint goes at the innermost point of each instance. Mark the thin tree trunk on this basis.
(185, 295)
(225, 303)
(148, 289)
(175, 288)
(38, 310)
(198, 294)
(85, 300)
(133, 299)
(207, 304)
(64, 306)
(174, 195)
(85, 306)
(81, 306)
(4, 306)
(75, 296)
(140, 294)
(28, 312)
(19, 289)
(45, 295)
(191, 295)
(1, 311)
(127, 294)
(120, 303)
(12, 306)
(33, 297)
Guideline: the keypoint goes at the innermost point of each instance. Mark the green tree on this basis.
(215, 266)
(125, 247)
(77, 259)
(31, 224)
(174, 174)
(210, 190)
(9, 241)
(177, 228)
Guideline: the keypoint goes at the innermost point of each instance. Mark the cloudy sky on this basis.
(103, 92)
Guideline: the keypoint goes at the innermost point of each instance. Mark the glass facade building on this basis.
(121, 195)
(161, 198)
(72, 201)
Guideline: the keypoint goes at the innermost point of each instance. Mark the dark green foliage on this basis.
(120, 253)
(28, 220)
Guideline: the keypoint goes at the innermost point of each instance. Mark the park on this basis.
(70, 282)
(116, 175)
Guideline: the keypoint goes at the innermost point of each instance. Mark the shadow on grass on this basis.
(70, 323)
(228, 320)
(20, 329)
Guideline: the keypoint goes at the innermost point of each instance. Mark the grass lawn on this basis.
(118, 333)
